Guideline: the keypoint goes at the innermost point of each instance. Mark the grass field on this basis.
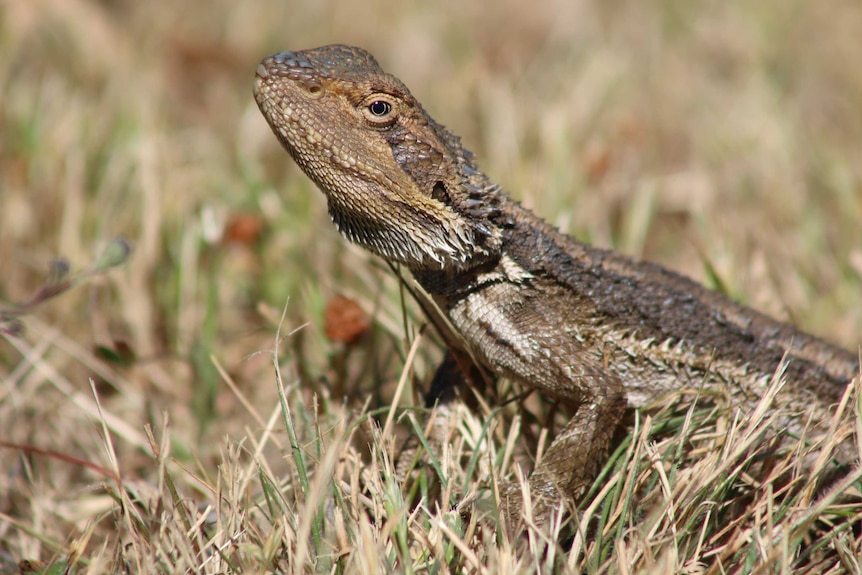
(192, 411)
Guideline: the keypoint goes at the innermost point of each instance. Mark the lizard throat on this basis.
(417, 244)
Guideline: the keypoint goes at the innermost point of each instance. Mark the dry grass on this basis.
(143, 426)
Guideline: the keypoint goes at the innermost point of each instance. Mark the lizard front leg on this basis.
(574, 457)
(512, 330)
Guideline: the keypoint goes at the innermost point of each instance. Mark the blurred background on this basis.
(722, 139)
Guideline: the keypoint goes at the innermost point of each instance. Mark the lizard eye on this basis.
(380, 111)
(379, 108)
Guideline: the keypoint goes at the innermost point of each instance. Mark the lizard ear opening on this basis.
(440, 194)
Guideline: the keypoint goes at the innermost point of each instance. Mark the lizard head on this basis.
(396, 182)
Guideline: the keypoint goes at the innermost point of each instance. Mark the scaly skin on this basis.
(589, 327)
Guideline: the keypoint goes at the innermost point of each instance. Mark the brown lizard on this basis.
(589, 327)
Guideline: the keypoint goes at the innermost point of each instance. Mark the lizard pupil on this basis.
(379, 108)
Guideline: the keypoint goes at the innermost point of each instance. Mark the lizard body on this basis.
(587, 326)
